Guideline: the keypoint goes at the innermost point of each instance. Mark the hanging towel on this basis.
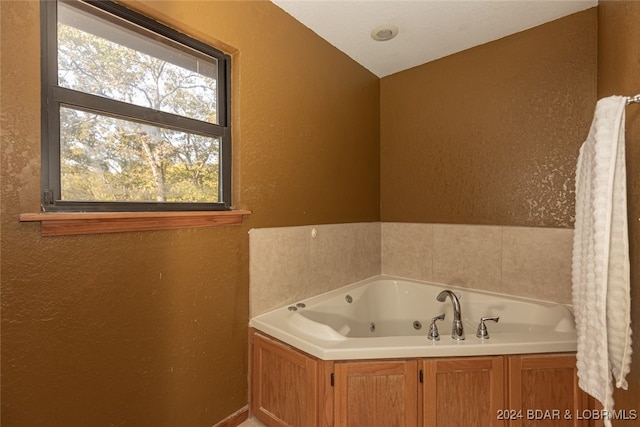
(600, 270)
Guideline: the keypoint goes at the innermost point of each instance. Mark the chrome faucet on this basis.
(457, 330)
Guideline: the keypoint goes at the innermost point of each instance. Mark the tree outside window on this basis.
(141, 117)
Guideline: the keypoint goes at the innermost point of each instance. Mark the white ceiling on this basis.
(428, 29)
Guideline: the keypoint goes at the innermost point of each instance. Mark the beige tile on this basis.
(343, 254)
(536, 262)
(467, 255)
(407, 250)
(251, 422)
(288, 264)
(278, 266)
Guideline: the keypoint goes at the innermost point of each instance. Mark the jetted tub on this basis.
(383, 317)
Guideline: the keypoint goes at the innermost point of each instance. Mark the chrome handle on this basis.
(433, 328)
(482, 331)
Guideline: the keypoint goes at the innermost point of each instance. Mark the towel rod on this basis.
(633, 99)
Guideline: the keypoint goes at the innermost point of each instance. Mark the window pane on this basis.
(103, 55)
(107, 159)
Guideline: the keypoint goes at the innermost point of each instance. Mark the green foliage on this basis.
(105, 158)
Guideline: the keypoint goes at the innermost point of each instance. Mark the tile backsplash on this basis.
(526, 261)
(288, 264)
(292, 263)
(467, 256)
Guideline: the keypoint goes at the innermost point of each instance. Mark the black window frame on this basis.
(54, 96)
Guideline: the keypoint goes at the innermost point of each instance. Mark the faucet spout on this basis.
(457, 329)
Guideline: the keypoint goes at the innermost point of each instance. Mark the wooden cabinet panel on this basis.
(325, 393)
(284, 385)
(376, 394)
(291, 388)
(543, 391)
(463, 392)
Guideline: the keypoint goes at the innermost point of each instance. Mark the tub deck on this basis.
(380, 322)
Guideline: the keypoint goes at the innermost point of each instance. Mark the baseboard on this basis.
(235, 419)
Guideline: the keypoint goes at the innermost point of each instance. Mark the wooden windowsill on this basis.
(68, 223)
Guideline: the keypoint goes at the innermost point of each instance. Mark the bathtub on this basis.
(384, 317)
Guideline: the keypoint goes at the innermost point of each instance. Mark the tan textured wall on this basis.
(150, 329)
(491, 135)
(308, 131)
(619, 74)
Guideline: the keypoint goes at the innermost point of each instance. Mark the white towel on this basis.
(600, 275)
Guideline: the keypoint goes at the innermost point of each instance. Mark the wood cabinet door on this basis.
(463, 392)
(543, 391)
(376, 394)
(284, 385)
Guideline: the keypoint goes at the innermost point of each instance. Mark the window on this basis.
(135, 114)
